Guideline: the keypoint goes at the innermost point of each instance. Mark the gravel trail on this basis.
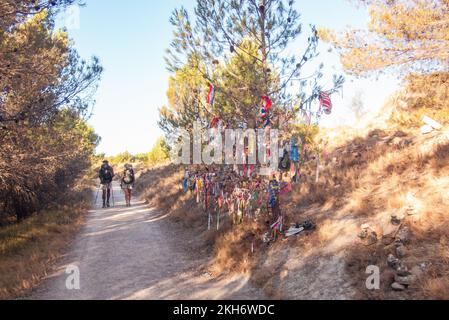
(138, 253)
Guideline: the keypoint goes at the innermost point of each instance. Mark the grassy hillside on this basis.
(392, 180)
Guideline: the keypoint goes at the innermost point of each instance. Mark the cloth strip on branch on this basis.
(325, 102)
(215, 122)
(266, 103)
(211, 95)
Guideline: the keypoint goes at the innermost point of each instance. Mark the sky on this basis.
(130, 40)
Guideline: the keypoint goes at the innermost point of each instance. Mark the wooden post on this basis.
(218, 220)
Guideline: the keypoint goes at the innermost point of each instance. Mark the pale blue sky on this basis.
(130, 38)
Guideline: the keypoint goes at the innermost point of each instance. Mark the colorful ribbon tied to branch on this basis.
(215, 122)
(266, 103)
(265, 108)
(325, 102)
(266, 123)
(211, 95)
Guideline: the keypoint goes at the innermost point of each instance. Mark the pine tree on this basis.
(45, 97)
(403, 35)
(240, 46)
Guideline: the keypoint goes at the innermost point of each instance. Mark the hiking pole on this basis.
(113, 201)
(96, 197)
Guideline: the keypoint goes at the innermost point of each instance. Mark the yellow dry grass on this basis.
(29, 249)
(367, 176)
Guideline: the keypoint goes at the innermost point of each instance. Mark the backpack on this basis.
(128, 176)
(192, 184)
(285, 161)
(106, 174)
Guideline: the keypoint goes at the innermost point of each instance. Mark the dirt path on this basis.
(137, 253)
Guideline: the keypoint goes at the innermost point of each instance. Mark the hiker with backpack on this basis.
(127, 183)
(106, 176)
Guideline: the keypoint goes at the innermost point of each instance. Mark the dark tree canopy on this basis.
(46, 91)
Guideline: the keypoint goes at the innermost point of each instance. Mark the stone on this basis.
(402, 270)
(387, 240)
(365, 231)
(392, 261)
(405, 280)
(401, 251)
(403, 235)
(426, 129)
(389, 230)
(396, 141)
(396, 219)
(432, 123)
(366, 226)
(363, 234)
(400, 134)
(372, 239)
(397, 287)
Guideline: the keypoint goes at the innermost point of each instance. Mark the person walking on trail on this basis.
(127, 183)
(106, 176)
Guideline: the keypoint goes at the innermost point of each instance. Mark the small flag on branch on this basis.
(215, 122)
(325, 102)
(266, 103)
(211, 95)
(267, 123)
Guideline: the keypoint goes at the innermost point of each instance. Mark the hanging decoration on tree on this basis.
(211, 95)
(265, 109)
(266, 123)
(325, 102)
(263, 113)
(215, 122)
(266, 103)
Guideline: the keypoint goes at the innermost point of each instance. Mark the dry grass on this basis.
(409, 177)
(230, 247)
(366, 180)
(29, 249)
(366, 177)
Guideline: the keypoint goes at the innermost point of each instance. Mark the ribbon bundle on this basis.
(211, 95)
(265, 109)
(325, 102)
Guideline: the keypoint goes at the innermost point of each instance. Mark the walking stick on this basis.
(96, 197)
(113, 201)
